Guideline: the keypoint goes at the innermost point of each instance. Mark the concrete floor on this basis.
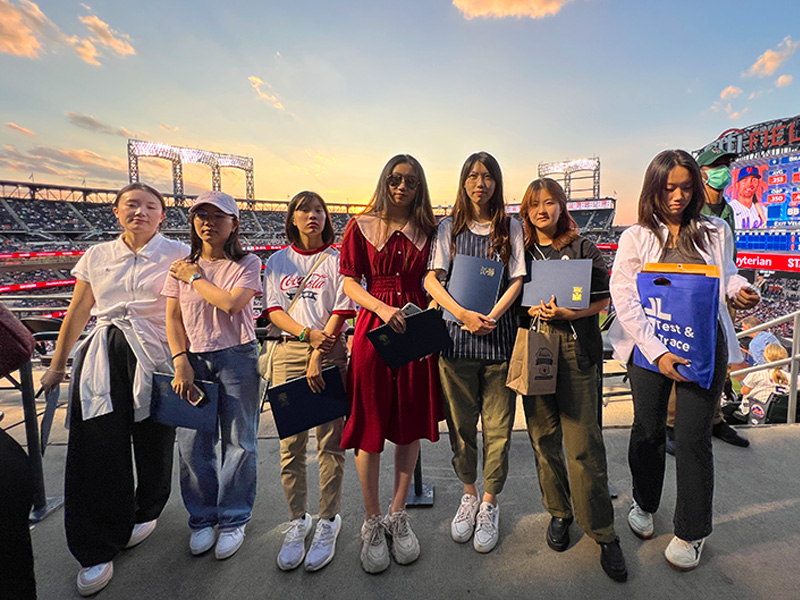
(751, 554)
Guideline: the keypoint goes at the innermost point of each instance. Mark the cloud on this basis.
(499, 9)
(738, 114)
(769, 62)
(104, 35)
(257, 83)
(72, 164)
(26, 31)
(166, 127)
(783, 81)
(20, 129)
(89, 123)
(755, 95)
(722, 107)
(730, 92)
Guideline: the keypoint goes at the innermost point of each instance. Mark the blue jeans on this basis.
(223, 494)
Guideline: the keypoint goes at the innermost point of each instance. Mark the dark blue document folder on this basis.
(474, 284)
(296, 408)
(169, 408)
(570, 281)
(426, 333)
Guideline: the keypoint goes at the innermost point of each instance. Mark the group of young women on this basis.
(162, 306)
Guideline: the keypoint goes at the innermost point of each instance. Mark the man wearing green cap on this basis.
(715, 167)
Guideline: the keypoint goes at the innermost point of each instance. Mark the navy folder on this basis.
(474, 284)
(296, 408)
(570, 281)
(426, 333)
(167, 407)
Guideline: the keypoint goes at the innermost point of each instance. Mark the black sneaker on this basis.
(728, 434)
(612, 561)
(558, 533)
(671, 441)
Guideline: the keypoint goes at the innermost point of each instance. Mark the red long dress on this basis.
(403, 404)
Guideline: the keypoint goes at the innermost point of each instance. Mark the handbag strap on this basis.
(323, 255)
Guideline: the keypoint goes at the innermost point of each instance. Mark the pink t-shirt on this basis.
(208, 327)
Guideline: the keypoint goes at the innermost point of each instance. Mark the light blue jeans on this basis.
(223, 494)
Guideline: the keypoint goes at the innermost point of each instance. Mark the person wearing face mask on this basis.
(715, 169)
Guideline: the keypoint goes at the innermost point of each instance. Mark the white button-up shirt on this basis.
(638, 246)
(127, 292)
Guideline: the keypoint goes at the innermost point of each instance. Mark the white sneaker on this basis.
(640, 521)
(374, 551)
(229, 542)
(405, 545)
(487, 527)
(683, 555)
(323, 546)
(141, 531)
(293, 549)
(93, 579)
(202, 540)
(464, 522)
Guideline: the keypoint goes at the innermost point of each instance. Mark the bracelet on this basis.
(180, 354)
(57, 372)
(303, 337)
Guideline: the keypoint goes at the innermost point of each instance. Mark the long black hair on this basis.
(653, 200)
(463, 212)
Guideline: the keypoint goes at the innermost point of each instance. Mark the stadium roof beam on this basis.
(178, 155)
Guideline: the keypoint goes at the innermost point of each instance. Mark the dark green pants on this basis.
(570, 416)
(475, 389)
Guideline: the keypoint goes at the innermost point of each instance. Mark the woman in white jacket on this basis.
(670, 228)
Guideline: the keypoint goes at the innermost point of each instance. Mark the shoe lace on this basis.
(323, 534)
(295, 531)
(464, 513)
(400, 525)
(485, 518)
(377, 530)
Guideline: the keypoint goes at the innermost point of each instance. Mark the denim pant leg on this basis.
(238, 421)
(197, 452)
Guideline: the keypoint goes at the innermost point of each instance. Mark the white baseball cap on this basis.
(221, 200)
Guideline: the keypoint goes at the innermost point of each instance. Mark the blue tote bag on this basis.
(683, 309)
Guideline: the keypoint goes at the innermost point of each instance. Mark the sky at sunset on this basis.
(322, 93)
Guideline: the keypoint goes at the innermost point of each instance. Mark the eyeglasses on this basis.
(395, 178)
(207, 216)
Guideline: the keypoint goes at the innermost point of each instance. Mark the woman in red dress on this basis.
(387, 246)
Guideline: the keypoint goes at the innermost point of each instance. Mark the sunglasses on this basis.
(395, 178)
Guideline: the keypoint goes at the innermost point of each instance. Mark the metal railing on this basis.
(793, 360)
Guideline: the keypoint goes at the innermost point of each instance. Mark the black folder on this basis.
(474, 284)
(167, 407)
(296, 408)
(570, 281)
(426, 333)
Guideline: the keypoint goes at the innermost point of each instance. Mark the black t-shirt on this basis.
(716, 208)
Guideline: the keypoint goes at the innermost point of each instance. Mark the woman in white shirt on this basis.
(671, 228)
(758, 386)
(311, 340)
(118, 282)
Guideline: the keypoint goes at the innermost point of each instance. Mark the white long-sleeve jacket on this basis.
(638, 246)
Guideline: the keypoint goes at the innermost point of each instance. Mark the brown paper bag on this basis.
(534, 362)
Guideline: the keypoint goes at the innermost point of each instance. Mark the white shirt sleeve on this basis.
(440, 246)
(516, 263)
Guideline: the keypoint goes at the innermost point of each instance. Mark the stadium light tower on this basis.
(567, 171)
(178, 155)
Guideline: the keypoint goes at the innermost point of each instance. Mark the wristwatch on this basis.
(194, 277)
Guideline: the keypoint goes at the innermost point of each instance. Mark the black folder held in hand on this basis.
(426, 333)
(474, 283)
(167, 407)
(296, 408)
(570, 281)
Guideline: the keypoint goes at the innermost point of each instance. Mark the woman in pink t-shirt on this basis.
(212, 338)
